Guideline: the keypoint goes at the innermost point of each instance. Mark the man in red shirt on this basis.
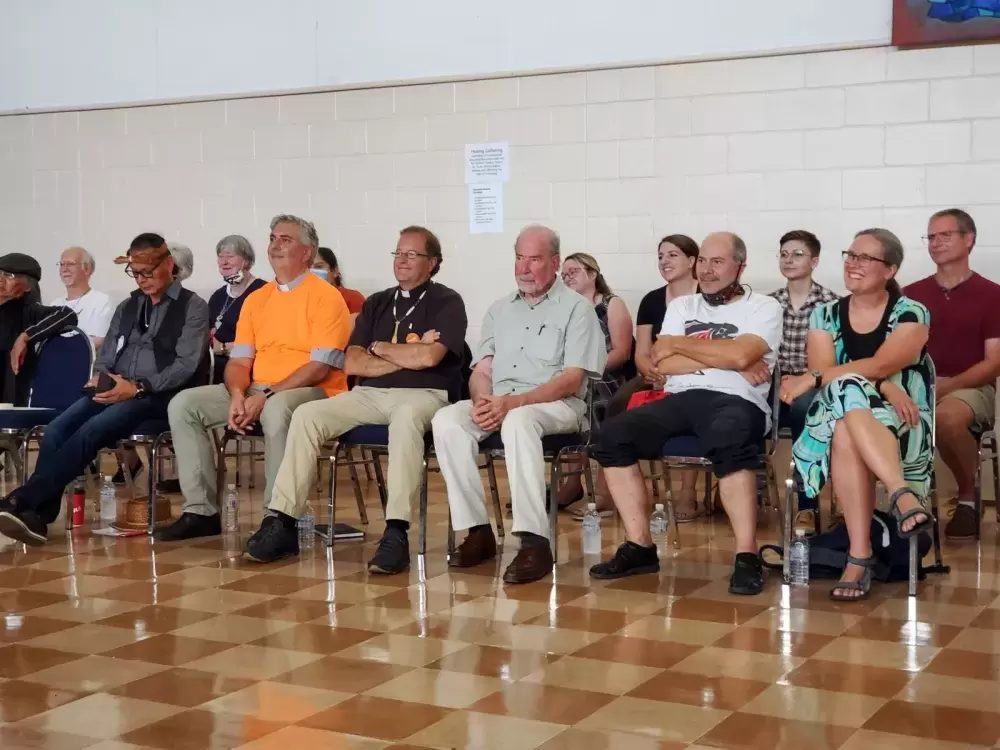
(965, 346)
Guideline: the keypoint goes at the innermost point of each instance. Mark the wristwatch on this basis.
(371, 348)
(140, 389)
(817, 378)
(267, 393)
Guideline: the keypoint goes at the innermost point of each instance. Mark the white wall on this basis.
(69, 54)
(832, 142)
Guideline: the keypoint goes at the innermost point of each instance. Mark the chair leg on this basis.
(356, 483)
(978, 491)
(996, 477)
(153, 456)
(936, 532)
(423, 507)
(668, 498)
(786, 537)
(914, 562)
(451, 536)
(654, 481)
(367, 456)
(709, 498)
(588, 476)
(221, 471)
(491, 472)
(555, 474)
(383, 494)
(332, 510)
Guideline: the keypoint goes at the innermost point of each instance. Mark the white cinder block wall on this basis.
(832, 142)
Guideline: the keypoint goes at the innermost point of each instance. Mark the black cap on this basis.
(22, 264)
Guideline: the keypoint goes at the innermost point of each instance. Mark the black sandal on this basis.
(864, 585)
(902, 517)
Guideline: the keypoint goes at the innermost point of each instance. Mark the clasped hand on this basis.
(124, 390)
(488, 412)
(794, 386)
(244, 411)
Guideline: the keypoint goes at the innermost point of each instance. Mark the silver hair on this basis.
(739, 249)
(183, 260)
(238, 245)
(308, 229)
(550, 234)
(86, 259)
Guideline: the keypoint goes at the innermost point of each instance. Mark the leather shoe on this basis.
(189, 526)
(478, 546)
(532, 563)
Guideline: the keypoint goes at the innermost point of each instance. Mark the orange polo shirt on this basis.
(283, 327)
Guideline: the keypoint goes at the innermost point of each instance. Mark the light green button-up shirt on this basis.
(532, 344)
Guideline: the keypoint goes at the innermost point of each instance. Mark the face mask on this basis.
(321, 272)
(234, 279)
(723, 296)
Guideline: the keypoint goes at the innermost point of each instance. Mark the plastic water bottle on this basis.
(798, 558)
(109, 503)
(591, 530)
(658, 524)
(307, 528)
(231, 512)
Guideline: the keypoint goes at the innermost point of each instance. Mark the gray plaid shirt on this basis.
(795, 327)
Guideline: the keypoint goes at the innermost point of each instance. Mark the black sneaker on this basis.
(169, 486)
(276, 538)
(23, 526)
(118, 480)
(630, 559)
(392, 555)
(748, 575)
(189, 526)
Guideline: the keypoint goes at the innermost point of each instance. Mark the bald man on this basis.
(93, 308)
(717, 350)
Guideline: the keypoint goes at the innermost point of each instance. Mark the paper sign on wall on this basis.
(486, 208)
(486, 162)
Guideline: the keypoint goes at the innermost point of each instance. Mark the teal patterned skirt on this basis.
(811, 451)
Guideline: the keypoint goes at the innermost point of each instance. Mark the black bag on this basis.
(828, 552)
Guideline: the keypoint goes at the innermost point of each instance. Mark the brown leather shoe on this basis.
(478, 546)
(531, 564)
(962, 524)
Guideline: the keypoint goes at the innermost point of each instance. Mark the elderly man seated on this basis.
(718, 350)
(156, 346)
(289, 349)
(539, 348)
(406, 351)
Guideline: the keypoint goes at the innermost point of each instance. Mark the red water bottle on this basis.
(79, 504)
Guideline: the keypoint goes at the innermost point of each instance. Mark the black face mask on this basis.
(725, 294)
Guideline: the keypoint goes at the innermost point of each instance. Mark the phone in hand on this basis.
(104, 383)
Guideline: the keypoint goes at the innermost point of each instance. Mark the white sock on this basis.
(970, 503)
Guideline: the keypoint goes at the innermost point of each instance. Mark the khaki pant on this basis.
(982, 401)
(407, 412)
(456, 443)
(194, 412)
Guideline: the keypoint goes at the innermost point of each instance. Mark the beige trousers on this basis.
(194, 412)
(407, 412)
(456, 443)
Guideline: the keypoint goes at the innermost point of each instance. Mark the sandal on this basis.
(864, 585)
(902, 517)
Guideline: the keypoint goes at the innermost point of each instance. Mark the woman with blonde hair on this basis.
(582, 274)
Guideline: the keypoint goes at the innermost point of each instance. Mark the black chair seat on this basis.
(152, 428)
(550, 443)
(25, 419)
(366, 434)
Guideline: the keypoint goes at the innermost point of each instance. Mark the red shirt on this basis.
(962, 320)
(354, 300)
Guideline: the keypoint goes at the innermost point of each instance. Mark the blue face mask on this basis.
(321, 272)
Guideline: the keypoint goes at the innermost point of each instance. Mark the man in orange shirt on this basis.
(289, 349)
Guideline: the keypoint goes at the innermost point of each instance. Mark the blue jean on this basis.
(72, 441)
(793, 416)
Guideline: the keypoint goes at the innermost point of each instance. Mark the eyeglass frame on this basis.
(863, 259)
(133, 274)
(408, 254)
(798, 253)
(947, 234)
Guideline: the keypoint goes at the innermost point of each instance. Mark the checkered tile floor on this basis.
(119, 645)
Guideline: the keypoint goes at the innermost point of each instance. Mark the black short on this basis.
(730, 428)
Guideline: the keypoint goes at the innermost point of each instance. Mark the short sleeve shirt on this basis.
(93, 312)
(754, 314)
(532, 344)
(652, 308)
(440, 309)
(965, 318)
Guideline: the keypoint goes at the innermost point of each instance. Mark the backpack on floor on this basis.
(828, 552)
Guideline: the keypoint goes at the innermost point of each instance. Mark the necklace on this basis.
(396, 321)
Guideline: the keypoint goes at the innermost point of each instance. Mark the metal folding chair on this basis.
(64, 365)
(988, 451)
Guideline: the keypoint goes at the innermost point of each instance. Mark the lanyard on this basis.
(397, 321)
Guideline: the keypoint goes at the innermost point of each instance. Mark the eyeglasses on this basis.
(571, 273)
(797, 254)
(408, 254)
(67, 264)
(930, 239)
(864, 260)
(7, 275)
(136, 274)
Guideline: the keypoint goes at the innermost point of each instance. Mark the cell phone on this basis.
(104, 383)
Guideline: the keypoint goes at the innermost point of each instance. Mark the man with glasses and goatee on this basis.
(155, 346)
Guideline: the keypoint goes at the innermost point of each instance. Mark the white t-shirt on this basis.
(93, 312)
(756, 314)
